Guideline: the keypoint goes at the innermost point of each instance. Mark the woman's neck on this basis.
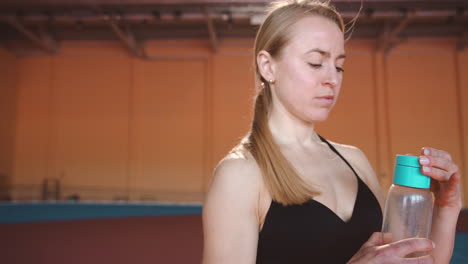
(287, 129)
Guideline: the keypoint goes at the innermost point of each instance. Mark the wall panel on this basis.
(422, 98)
(167, 128)
(91, 121)
(34, 127)
(8, 74)
(462, 66)
(233, 99)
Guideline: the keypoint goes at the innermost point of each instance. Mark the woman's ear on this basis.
(266, 65)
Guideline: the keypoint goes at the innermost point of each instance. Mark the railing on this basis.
(51, 190)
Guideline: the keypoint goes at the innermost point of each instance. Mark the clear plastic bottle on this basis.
(409, 204)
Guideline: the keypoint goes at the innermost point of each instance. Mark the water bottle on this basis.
(408, 208)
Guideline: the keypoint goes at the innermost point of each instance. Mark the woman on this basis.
(287, 195)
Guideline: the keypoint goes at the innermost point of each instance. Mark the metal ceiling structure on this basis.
(45, 23)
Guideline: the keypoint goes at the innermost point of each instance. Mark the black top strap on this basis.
(336, 151)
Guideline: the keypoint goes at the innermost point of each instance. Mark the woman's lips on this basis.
(326, 99)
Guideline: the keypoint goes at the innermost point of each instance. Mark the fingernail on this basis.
(433, 244)
(426, 152)
(426, 169)
(424, 160)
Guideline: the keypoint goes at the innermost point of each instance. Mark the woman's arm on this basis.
(230, 222)
(447, 204)
(443, 234)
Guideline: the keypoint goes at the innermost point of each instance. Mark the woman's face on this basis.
(309, 69)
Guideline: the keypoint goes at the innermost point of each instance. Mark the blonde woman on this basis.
(287, 195)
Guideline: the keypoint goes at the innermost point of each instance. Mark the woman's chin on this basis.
(316, 119)
(318, 114)
(319, 117)
(321, 120)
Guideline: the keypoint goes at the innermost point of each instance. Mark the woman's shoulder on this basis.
(358, 160)
(239, 163)
(355, 157)
(348, 151)
(230, 211)
(236, 172)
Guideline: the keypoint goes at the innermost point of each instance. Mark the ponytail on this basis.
(283, 182)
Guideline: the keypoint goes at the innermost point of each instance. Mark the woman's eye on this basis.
(313, 65)
(339, 69)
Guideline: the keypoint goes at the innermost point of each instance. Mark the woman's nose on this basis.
(331, 76)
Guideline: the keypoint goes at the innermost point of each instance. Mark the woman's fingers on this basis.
(406, 246)
(439, 165)
(387, 238)
(376, 239)
(435, 153)
(428, 259)
(437, 174)
(393, 253)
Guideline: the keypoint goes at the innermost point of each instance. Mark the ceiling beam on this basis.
(211, 31)
(400, 27)
(389, 37)
(236, 12)
(46, 36)
(383, 40)
(463, 41)
(127, 37)
(126, 2)
(44, 40)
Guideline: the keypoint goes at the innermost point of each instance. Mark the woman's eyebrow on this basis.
(325, 53)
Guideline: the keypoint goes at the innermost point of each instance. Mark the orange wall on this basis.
(8, 69)
(461, 61)
(108, 124)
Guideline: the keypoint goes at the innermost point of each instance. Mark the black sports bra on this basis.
(313, 233)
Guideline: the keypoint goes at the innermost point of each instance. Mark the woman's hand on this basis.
(377, 251)
(438, 165)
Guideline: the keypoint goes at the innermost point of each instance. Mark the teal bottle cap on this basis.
(408, 173)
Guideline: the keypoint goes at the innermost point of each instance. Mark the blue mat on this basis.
(460, 251)
(23, 212)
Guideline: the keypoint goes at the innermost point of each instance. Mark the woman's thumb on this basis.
(376, 239)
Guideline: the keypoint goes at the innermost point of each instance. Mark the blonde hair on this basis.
(283, 182)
